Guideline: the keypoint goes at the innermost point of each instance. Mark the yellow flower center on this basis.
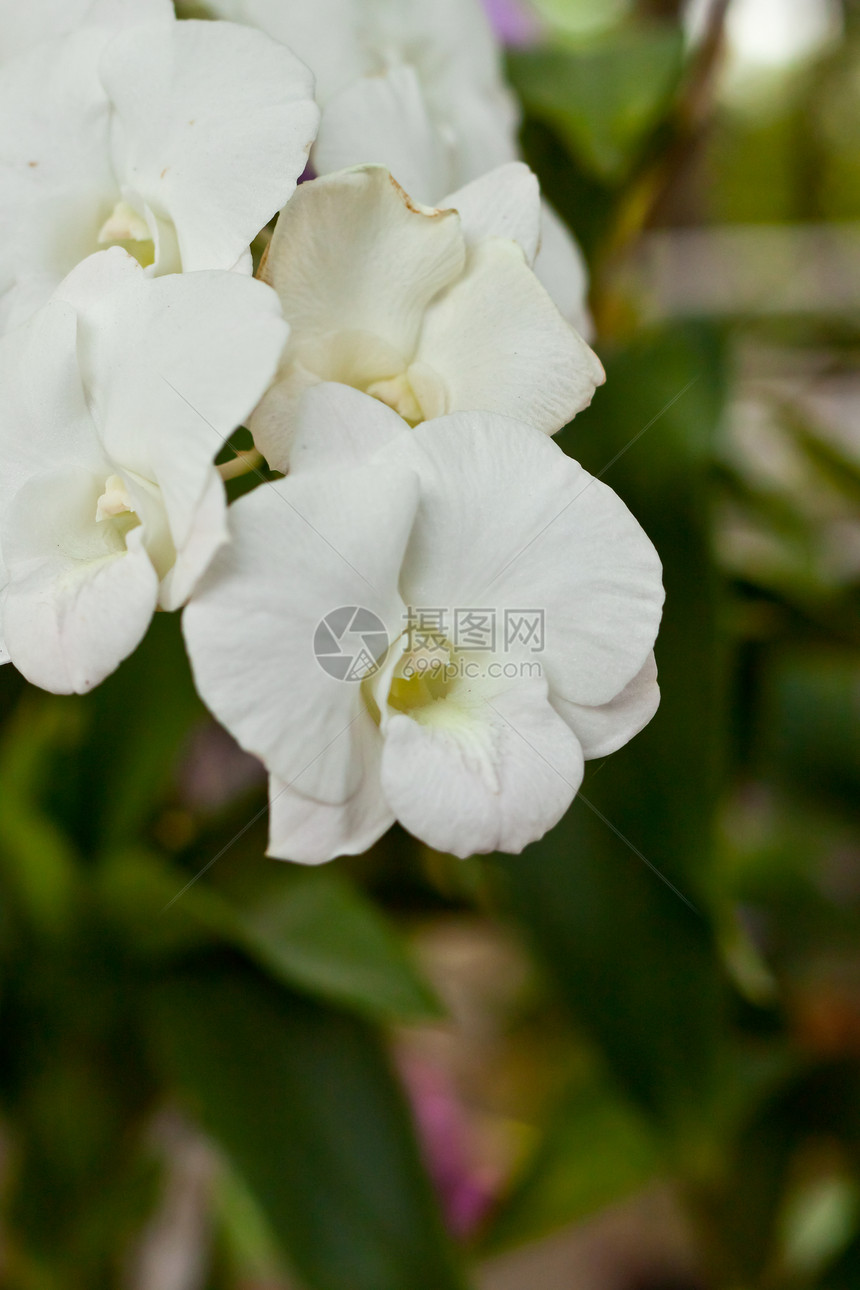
(115, 505)
(126, 228)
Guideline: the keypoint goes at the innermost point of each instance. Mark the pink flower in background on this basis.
(465, 1188)
(514, 22)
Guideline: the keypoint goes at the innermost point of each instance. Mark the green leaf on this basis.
(603, 100)
(809, 724)
(605, 896)
(135, 724)
(323, 935)
(133, 890)
(38, 864)
(819, 1224)
(250, 1250)
(316, 933)
(845, 1274)
(304, 1104)
(751, 1207)
(594, 1152)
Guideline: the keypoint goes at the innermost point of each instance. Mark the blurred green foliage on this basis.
(604, 99)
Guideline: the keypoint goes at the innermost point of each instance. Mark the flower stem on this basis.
(242, 464)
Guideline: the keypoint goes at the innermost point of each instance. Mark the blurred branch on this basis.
(244, 463)
(695, 104)
(668, 10)
(687, 127)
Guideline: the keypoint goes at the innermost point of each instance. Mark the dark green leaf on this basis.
(606, 895)
(810, 723)
(135, 724)
(315, 932)
(322, 935)
(595, 1151)
(38, 865)
(302, 1101)
(605, 99)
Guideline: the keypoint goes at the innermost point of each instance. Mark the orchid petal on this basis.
(327, 34)
(44, 419)
(311, 832)
(355, 263)
(56, 182)
(384, 120)
(172, 366)
(501, 345)
(561, 268)
(23, 25)
(538, 533)
(380, 278)
(81, 599)
(340, 427)
(603, 730)
(503, 203)
(213, 127)
(493, 774)
(299, 553)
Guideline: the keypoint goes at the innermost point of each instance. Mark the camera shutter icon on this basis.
(350, 642)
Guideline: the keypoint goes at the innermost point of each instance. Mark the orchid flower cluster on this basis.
(435, 615)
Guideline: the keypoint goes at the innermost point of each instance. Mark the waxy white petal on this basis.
(501, 345)
(503, 203)
(53, 470)
(339, 427)
(450, 42)
(24, 23)
(56, 182)
(206, 532)
(353, 253)
(484, 126)
(312, 832)
(492, 772)
(474, 510)
(383, 295)
(355, 263)
(561, 268)
(178, 139)
(605, 729)
(172, 365)
(213, 127)
(536, 533)
(301, 549)
(107, 484)
(328, 35)
(81, 600)
(44, 418)
(385, 120)
(454, 51)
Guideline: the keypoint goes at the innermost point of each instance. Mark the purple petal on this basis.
(445, 1135)
(513, 21)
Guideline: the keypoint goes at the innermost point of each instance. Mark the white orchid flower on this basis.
(387, 120)
(431, 311)
(176, 140)
(468, 517)
(361, 52)
(417, 88)
(117, 396)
